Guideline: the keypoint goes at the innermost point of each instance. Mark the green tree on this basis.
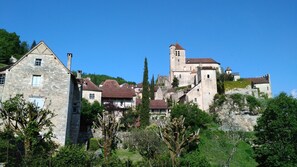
(33, 44)
(147, 143)
(194, 117)
(71, 155)
(10, 45)
(129, 119)
(90, 112)
(175, 82)
(152, 88)
(276, 132)
(176, 139)
(145, 102)
(31, 124)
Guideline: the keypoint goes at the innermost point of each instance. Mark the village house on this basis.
(121, 97)
(91, 92)
(158, 110)
(43, 79)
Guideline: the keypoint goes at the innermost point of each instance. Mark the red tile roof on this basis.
(89, 85)
(111, 89)
(158, 104)
(200, 60)
(178, 47)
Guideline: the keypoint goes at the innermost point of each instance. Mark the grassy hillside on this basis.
(216, 146)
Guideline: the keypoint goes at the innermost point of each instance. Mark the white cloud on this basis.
(294, 93)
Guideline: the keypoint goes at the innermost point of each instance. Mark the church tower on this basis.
(177, 59)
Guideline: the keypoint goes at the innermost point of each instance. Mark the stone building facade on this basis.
(42, 79)
(199, 74)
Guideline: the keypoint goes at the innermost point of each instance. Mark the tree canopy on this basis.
(11, 45)
(276, 132)
(144, 109)
(194, 117)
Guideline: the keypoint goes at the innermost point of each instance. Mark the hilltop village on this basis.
(44, 80)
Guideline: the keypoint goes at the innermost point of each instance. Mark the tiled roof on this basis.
(200, 60)
(259, 80)
(89, 85)
(111, 89)
(178, 47)
(158, 104)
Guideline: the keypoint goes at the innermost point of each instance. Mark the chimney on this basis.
(79, 72)
(69, 56)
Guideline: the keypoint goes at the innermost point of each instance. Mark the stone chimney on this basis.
(69, 56)
(79, 72)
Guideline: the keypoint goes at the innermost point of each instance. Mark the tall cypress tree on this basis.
(152, 88)
(144, 112)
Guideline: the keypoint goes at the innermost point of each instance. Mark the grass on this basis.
(216, 146)
(124, 154)
(229, 85)
(2, 65)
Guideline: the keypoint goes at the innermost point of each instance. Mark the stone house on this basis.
(91, 92)
(263, 85)
(122, 98)
(43, 79)
(158, 109)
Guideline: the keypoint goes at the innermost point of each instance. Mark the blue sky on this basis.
(110, 37)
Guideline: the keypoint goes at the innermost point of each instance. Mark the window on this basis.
(38, 101)
(195, 99)
(91, 96)
(208, 76)
(38, 62)
(36, 80)
(179, 75)
(2, 79)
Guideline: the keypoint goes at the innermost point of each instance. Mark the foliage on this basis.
(229, 85)
(10, 45)
(129, 119)
(194, 159)
(94, 144)
(29, 122)
(90, 111)
(194, 117)
(145, 102)
(175, 82)
(237, 100)
(174, 136)
(109, 126)
(276, 132)
(97, 79)
(9, 151)
(71, 155)
(33, 44)
(216, 145)
(125, 155)
(152, 88)
(253, 103)
(146, 142)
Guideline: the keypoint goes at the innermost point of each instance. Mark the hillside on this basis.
(99, 78)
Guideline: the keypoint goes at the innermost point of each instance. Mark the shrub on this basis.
(71, 155)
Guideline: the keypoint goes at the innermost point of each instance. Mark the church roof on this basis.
(200, 61)
(177, 46)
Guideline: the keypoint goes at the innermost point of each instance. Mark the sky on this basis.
(254, 37)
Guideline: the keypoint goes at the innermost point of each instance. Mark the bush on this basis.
(194, 117)
(71, 155)
(94, 144)
(194, 159)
